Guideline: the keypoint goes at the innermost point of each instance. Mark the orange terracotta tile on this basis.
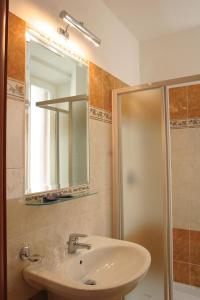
(101, 85)
(178, 103)
(95, 80)
(119, 84)
(181, 272)
(108, 86)
(195, 247)
(181, 245)
(195, 275)
(194, 101)
(16, 47)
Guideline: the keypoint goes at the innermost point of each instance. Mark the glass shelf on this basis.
(39, 202)
(61, 104)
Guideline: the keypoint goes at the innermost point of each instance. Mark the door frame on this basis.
(3, 86)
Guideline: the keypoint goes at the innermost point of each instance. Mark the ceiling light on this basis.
(79, 26)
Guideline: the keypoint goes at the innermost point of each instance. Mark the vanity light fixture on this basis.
(67, 18)
(55, 44)
(63, 32)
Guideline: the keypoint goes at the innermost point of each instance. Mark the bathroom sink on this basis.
(109, 270)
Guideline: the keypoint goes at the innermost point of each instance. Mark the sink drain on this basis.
(90, 282)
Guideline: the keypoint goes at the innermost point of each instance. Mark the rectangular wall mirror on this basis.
(56, 116)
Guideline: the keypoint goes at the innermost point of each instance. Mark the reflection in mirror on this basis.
(56, 120)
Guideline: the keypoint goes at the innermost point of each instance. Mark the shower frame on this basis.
(117, 167)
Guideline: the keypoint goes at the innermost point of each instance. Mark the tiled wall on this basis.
(40, 226)
(16, 48)
(101, 86)
(47, 228)
(185, 140)
(185, 106)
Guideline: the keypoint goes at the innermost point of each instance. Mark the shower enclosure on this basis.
(142, 180)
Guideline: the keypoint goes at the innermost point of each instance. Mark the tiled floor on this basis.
(185, 292)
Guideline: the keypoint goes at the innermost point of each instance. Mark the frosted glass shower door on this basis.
(144, 211)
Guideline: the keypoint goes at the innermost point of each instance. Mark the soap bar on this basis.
(49, 198)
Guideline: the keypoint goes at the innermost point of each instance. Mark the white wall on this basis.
(170, 56)
(119, 51)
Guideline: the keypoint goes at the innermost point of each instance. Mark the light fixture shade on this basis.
(79, 26)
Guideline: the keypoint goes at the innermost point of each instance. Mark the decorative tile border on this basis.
(16, 88)
(194, 122)
(70, 190)
(177, 124)
(106, 116)
(187, 123)
(100, 114)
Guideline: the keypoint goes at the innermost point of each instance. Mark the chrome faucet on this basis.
(73, 243)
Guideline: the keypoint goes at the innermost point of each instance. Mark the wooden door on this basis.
(3, 82)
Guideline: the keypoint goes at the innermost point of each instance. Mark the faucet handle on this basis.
(76, 235)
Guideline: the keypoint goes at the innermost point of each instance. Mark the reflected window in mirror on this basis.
(57, 141)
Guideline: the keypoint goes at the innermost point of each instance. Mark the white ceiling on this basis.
(148, 19)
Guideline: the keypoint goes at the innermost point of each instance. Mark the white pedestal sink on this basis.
(109, 270)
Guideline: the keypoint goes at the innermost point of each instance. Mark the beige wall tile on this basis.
(185, 177)
(100, 153)
(180, 195)
(15, 183)
(181, 143)
(195, 213)
(40, 226)
(15, 133)
(180, 213)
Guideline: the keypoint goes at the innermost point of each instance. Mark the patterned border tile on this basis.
(189, 123)
(194, 122)
(100, 114)
(69, 190)
(16, 88)
(177, 124)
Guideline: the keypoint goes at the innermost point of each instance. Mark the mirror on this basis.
(57, 151)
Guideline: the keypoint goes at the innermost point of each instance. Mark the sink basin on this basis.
(109, 270)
